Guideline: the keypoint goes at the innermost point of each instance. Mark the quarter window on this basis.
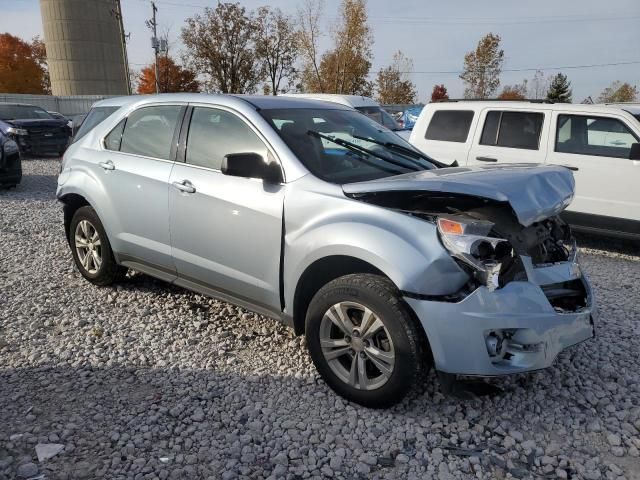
(450, 126)
(512, 129)
(214, 133)
(112, 141)
(149, 131)
(588, 135)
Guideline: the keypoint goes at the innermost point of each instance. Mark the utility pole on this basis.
(155, 44)
(117, 12)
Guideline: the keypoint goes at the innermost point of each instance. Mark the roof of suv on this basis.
(352, 101)
(526, 105)
(257, 101)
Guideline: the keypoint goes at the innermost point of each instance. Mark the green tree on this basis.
(619, 92)
(560, 89)
(277, 47)
(482, 68)
(220, 45)
(393, 84)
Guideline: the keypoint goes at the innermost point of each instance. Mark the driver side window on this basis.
(215, 133)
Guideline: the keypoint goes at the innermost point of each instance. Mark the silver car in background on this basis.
(316, 215)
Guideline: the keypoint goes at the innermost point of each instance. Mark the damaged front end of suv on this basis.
(525, 298)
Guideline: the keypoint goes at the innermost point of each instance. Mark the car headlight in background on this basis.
(467, 240)
(17, 131)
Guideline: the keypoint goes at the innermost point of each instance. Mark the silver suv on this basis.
(314, 214)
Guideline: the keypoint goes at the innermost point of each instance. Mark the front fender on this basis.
(406, 249)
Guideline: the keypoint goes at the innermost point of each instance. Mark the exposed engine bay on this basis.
(495, 240)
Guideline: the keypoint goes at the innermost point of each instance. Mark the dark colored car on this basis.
(10, 165)
(34, 129)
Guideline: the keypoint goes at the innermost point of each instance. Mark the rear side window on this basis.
(93, 118)
(149, 131)
(589, 135)
(112, 141)
(512, 129)
(378, 115)
(450, 126)
(214, 133)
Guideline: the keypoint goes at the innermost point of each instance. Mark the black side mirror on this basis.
(251, 165)
(634, 153)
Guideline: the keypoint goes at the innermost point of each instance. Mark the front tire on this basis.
(364, 341)
(91, 248)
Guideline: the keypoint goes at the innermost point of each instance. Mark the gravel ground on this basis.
(145, 380)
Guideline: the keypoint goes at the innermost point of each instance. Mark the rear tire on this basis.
(364, 341)
(91, 248)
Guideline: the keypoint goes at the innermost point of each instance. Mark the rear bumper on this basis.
(511, 330)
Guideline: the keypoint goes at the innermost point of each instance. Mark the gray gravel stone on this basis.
(145, 380)
(27, 470)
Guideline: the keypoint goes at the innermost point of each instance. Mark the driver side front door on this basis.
(225, 230)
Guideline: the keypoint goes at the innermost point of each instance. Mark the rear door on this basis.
(510, 136)
(134, 168)
(225, 230)
(597, 146)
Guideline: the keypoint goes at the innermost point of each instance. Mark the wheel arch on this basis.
(71, 203)
(318, 274)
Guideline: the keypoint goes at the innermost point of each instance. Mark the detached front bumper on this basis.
(510, 330)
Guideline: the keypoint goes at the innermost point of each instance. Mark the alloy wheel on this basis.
(357, 345)
(88, 246)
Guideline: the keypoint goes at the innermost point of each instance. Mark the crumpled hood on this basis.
(534, 192)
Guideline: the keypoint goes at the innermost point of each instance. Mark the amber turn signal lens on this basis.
(450, 227)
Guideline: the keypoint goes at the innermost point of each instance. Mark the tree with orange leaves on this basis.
(22, 66)
(173, 78)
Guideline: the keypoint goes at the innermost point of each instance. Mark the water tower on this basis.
(86, 53)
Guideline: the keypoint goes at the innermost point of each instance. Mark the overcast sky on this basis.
(435, 35)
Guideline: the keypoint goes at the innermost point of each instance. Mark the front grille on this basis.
(568, 296)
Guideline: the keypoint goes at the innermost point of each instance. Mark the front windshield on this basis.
(14, 112)
(344, 146)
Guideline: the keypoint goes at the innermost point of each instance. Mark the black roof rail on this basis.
(529, 100)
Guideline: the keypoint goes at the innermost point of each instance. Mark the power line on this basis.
(532, 69)
(461, 20)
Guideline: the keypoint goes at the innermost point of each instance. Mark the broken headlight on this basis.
(467, 240)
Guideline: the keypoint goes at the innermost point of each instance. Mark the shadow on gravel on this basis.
(116, 419)
(614, 245)
(38, 187)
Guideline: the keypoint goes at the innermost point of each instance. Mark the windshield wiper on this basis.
(357, 148)
(405, 151)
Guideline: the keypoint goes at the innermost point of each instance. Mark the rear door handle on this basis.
(185, 186)
(108, 165)
(487, 159)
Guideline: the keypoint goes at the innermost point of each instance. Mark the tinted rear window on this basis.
(450, 126)
(95, 116)
(512, 129)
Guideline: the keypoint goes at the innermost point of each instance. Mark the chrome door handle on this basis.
(487, 159)
(108, 165)
(184, 186)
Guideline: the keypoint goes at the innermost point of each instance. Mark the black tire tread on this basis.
(387, 292)
(110, 271)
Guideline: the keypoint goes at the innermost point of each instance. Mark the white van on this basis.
(600, 143)
(365, 105)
